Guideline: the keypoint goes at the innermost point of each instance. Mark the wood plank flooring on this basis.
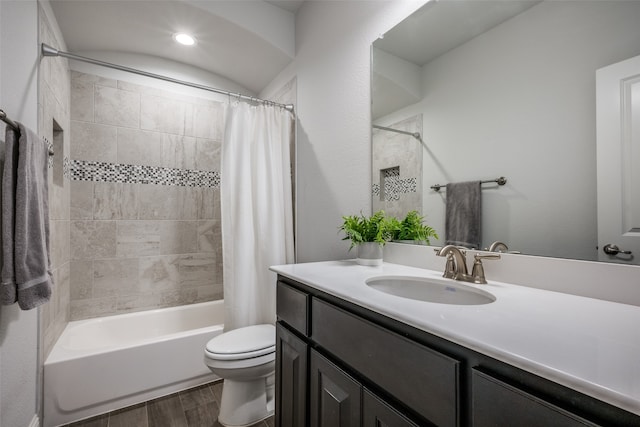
(196, 407)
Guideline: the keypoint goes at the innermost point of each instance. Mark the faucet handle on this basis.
(478, 269)
(449, 268)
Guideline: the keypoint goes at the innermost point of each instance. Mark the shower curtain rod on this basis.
(50, 51)
(416, 135)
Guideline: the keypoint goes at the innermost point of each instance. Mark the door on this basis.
(618, 161)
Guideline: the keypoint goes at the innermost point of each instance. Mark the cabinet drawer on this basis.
(496, 403)
(293, 307)
(423, 379)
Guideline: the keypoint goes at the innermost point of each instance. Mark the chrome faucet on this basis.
(456, 266)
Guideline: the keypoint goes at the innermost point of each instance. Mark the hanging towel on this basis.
(463, 209)
(26, 274)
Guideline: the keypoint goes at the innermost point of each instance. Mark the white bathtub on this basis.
(98, 365)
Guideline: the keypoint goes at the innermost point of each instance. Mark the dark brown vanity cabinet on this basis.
(496, 403)
(341, 365)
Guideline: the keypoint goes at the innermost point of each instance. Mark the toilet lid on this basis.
(243, 343)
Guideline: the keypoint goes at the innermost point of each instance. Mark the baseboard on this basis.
(35, 421)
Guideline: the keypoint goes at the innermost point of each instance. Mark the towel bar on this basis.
(500, 181)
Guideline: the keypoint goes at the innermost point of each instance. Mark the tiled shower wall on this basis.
(53, 124)
(145, 201)
(397, 169)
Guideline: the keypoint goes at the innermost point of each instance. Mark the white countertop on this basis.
(589, 345)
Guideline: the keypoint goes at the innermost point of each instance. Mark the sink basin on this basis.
(442, 291)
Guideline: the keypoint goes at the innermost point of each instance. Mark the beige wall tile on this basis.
(112, 277)
(178, 237)
(81, 274)
(208, 153)
(82, 100)
(158, 274)
(116, 107)
(62, 288)
(208, 121)
(139, 147)
(81, 199)
(209, 236)
(59, 242)
(138, 238)
(162, 115)
(93, 239)
(95, 307)
(58, 199)
(196, 270)
(93, 142)
(158, 202)
(178, 151)
(188, 198)
(152, 91)
(141, 246)
(208, 203)
(210, 293)
(149, 301)
(84, 78)
(115, 200)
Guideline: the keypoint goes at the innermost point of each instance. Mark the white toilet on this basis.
(245, 359)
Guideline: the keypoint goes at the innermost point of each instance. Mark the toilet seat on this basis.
(243, 343)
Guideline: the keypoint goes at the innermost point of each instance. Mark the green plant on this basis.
(378, 228)
(412, 227)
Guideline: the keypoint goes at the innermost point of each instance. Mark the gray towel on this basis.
(464, 206)
(26, 274)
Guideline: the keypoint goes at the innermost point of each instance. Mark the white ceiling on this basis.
(247, 41)
(440, 26)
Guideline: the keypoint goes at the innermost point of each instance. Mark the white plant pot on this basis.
(369, 253)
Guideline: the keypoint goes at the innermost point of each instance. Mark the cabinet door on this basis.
(335, 396)
(497, 404)
(291, 379)
(377, 413)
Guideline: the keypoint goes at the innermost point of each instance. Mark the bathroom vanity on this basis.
(350, 355)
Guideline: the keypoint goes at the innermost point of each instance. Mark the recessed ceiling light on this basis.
(184, 39)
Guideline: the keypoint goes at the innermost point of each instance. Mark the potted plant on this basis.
(412, 228)
(369, 234)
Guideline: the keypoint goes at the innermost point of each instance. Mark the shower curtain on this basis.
(257, 213)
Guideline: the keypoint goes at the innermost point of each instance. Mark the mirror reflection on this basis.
(488, 89)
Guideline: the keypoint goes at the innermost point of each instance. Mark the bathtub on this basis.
(98, 365)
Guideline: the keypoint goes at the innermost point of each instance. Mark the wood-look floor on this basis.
(196, 407)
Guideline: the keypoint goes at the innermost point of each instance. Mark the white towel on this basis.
(26, 274)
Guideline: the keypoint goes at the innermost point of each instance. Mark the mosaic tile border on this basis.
(82, 170)
(395, 187)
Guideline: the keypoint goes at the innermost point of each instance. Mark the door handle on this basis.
(610, 249)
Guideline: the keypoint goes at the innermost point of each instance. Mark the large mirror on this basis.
(485, 89)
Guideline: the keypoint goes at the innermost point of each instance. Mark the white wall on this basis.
(18, 98)
(333, 41)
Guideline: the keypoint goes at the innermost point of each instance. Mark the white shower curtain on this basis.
(257, 214)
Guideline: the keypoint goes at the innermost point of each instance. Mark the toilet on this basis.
(245, 359)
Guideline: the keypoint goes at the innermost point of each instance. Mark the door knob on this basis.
(610, 249)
